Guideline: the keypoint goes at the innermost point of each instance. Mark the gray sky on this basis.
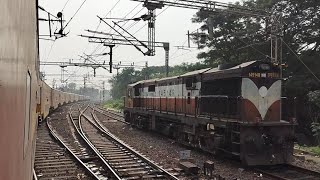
(171, 26)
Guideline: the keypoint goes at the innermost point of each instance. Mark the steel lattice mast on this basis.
(215, 6)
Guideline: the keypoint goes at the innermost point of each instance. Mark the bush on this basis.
(314, 112)
(114, 104)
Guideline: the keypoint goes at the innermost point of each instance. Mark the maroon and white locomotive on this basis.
(237, 110)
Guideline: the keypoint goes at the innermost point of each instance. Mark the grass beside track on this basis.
(312, 149)
(114, 104)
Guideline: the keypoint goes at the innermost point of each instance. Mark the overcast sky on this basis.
(171, 26)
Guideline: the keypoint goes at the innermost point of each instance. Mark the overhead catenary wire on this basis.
(99, 45)
(301, 60)
(50, 50)
(251, 45)
(126, 22)
(74, 14)
(134, 23)
(175, 52)
(41, 8)
(130, 26)
(65, 5)
(147, 23)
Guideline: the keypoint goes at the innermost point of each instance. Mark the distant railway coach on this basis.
(235, 109)
(24, 98)
(51, 98)
(45, 99)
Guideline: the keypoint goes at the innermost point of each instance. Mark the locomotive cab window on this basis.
(136, 91)
(228, 87)
(152, 88)
(191, 82)
(129, 92)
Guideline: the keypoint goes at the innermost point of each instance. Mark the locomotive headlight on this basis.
(265, 67)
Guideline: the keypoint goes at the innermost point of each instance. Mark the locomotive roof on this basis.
(243, 65)
(200, 71)
(168, 78)
(231, 72)
(143, 81)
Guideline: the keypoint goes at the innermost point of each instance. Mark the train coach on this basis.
(236, 110)
(51, 98)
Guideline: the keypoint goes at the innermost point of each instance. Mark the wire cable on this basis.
(132, 18)
(156, 16)
(65, 5)
(300, 60)
(178, 49)
(99, 45)
(74, 14)
(50, 50)
(251, 45)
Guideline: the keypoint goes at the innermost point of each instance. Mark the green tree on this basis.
(238, 38)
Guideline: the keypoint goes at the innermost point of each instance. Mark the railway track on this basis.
(111, 114)
(54, 161)
(66, 129)
(126, 162)
(283, 172)
(286, 172)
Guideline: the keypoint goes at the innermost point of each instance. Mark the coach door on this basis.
(137, 98)
(190, 92)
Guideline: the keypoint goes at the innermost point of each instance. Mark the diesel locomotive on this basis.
(236, 110)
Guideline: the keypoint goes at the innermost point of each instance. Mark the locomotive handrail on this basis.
(217, 96)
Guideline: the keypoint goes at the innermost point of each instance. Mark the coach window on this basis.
(27, 113)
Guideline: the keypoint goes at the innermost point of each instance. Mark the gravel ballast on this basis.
(166, 151)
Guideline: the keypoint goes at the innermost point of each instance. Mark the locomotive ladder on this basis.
(235, 138)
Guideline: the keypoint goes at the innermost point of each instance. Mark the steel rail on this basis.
(148, 161)
(85, 138)
(111, 112)
(120, 119)
(55, 136)
(309, 174)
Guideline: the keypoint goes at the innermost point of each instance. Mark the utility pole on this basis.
(147, 75)
(110, 62)
(84, 83)
(117, 67)
(166, 48)
(100, 97)
(103, 83)
(152, 6)
(53, 83)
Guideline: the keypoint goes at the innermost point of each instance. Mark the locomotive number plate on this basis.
(264, 75)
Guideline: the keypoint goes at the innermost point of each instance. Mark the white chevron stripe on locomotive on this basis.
(261, 97)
